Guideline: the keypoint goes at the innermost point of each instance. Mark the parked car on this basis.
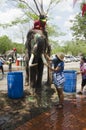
(70, 58)
(20, 58)
(78, 58)
(73, 59)
(67, 59)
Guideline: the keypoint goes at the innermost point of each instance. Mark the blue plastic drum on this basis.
(70, 81)
(15, 84)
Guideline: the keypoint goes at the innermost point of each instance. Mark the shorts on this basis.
(58, 80)
(83, 82)
(59, 86)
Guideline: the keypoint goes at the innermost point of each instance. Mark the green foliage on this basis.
(53, 30)
(20, 47)
(70, 47)
(22, 6)
(6, 44)
(79, 27)
(75, 47)
(55, 47)
(32, 15)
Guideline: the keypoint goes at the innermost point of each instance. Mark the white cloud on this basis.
(2, 1)
(69, 35)
(9, 15)
(58, 17)
(65, 6)
(67, 23)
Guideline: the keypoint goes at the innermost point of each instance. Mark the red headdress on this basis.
(83, 9)
(41, 23)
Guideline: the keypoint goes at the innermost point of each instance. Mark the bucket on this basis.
(70, 81)
(15, 84)
(17, 62)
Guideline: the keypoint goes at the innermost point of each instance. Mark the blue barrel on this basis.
(15, 84)
(70, 81)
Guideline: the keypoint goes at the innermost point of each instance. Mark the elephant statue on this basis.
(36, 47)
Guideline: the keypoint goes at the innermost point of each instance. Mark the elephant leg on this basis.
(27, 73)
(40, 74)
(33, 72)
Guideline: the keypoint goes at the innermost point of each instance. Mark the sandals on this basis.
(80, 93)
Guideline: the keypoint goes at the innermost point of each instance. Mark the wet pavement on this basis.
(40, 113)
(71, 117)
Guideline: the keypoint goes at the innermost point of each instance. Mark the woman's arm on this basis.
(53, 69)
(48, 58)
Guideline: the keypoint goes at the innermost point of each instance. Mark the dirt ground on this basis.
(14, 112)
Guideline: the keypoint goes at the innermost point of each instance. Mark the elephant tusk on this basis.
(33, 64)
(31, 59)
(43, 59)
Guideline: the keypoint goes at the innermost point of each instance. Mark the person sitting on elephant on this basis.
(40, 24)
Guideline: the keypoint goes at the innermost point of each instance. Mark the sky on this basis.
(59, 15)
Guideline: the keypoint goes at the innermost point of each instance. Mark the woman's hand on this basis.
(49, 67)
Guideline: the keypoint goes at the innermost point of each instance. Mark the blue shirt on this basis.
(58, 76)
(58, 63)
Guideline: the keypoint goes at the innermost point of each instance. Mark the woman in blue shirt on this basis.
(58, 76)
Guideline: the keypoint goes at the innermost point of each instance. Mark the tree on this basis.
(79, 27)
(5, 44)
(34, 8)
(19, 47)
(75, 47)
(32, 12)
